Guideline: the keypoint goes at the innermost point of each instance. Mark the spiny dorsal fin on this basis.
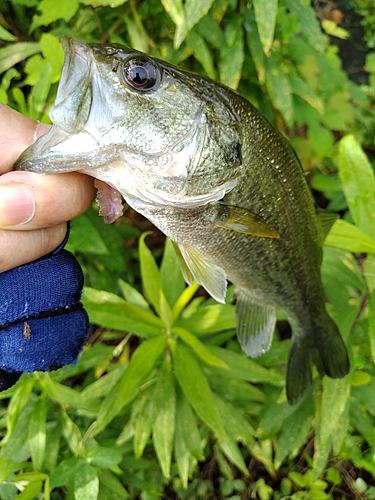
(327, 219)
(255, 325)
(243, 221)
(196, 267)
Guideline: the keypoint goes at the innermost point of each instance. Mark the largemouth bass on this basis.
(205, 167)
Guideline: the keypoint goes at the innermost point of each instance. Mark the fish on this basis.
(202, 164)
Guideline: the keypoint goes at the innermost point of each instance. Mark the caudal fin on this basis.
(328, 354)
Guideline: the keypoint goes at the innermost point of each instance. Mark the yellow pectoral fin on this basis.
(243, 221)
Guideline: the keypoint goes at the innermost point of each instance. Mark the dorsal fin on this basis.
(327, 219)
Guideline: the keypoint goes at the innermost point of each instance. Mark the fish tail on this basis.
(328, 353)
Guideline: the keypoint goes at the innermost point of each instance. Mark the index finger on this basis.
(17, 132)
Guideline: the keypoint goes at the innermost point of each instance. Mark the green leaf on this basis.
(188, 446)
(31, 491)
(52, 11)
(254, 44)
(39, 93)
(53, 53)
(141, 364)
(196, 388)
(86, 483)
(243, 368)
(309, 24)
(279, 88)
(201, 52)
(301, 88)
(143, 420)
(265, 16)
(6, 36)
(232, 54)
(17, 404)
(71, 432)
(165, 420)
(370, 280)
(350, 238)
(63, 474)
(334, 400)
(358, 184)
(150, 274)
(210, 319)
(110, 481)
(85, 237)
(132, 295)
(103, 457)
(8, 467)
(37, 433)
(295, 430)
(16, 52)
(200, 349)
(170, 273)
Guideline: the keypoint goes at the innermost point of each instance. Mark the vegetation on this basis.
(162, 403)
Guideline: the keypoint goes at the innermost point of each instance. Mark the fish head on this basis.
(154, 132)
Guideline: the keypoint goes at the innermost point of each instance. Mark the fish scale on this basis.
(203, 165)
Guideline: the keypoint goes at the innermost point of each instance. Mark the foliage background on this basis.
(162, 403)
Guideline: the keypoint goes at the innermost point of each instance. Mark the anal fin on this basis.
(196, 267)
(255, 325)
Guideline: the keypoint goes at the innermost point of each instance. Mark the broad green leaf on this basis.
(331, 28)
(39, 93)
(231, 450)
(201, 52)
(301, 88)
(232, 54)
(6, 36)
(138, 38)
(143, 420)
(110, 481)
(370, 280)
(31, 491)
(165, 312)
(210, 319)
(358, 184)
(188, 447)
(52, 11)
(71, 433)
(321, 139)
(265, 16)
(348, 237)
(85, 237)
(63, 474)
(200, 349)
(170, 273)
(37, 433)
(163, 428)
(103, 457)
(86, 483)
(141, 364)
(243, 368)
(184, 299)
(103, 3)
(279, 88)
(334, 400)
(150, 274)
(309, 23)
(8, 467)
(132, 295)
(254, 44)
(295, 430)
(17, 404)
(196, 388)
(14, 53)
(53, 53)
(124, 316)
(236, 425)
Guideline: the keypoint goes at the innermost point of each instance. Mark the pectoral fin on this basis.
(196, 267)
(255, 325)
(243, 221)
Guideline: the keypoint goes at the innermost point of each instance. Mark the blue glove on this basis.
(43, 325)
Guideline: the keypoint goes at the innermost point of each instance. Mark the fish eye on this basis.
(140, 74)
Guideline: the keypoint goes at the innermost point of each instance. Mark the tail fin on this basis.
(328, 353)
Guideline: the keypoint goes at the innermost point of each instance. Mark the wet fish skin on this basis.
(201, 163)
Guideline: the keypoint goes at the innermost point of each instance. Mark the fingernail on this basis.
(17, 204)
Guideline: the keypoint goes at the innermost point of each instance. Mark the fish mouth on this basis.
(70, 112)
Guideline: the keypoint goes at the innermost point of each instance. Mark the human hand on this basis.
(34, 208)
